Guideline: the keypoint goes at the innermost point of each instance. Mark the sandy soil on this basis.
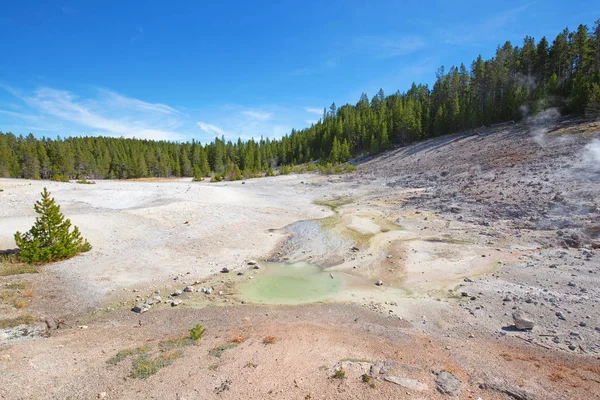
(462, 230)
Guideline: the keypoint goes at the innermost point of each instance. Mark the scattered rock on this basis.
(469, 280)
(523, 320)
(512, 392)
(140, 308)
(447, 383)
(252, 262)
(102, 395)
(175, 303)
(379, 283)
(408, 383)
(177, 293)
(188, 289)
(153, 300)
(224, 270)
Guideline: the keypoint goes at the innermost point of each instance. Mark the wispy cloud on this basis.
(211, 129)
(107, 113)
(314, 110)
(257, 115)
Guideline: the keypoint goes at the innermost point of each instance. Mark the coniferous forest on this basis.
(518, 80)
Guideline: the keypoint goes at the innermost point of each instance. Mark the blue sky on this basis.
(195, 69)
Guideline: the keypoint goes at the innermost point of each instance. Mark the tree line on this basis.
(518, 80)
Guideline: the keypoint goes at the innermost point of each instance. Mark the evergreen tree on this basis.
(50, 238)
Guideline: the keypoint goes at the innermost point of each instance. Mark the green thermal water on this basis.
(293, 283)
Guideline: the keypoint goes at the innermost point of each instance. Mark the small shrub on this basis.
(86, 182)
(269, 339)
(60, 178)
(196, 332)
(213, 367)
(339, 373)
(238, 339)
(50, 238)
(368, 379)
(198, 179)
(285, 170)
(216, 178)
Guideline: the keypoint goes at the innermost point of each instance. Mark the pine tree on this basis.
(49, 239)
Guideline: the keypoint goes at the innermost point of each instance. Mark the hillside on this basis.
(461, 230)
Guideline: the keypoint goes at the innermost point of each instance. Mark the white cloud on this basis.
(210, 128)
(314, 110)
(311, 121)
(257, 115)
(108, 113)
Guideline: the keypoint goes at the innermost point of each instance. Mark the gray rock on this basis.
(188, 289)
(153, 300)
(175, 303)
(252, 262)
(379, 283)
(177, 292)
(523, 320)
(140, 308)
(208, 291)
(512, 392)
(560, 315)
(447, 383)
(224, 270)
(408, 383)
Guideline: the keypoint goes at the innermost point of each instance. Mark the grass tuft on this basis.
(11, 265)
(218, 351)
(339, 373)
(144, 367)
(25, 319)
(270, 339)
(123, 354)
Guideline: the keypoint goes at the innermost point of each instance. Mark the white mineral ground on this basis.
(520, 220)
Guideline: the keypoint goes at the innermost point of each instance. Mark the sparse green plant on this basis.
(369, 380)
(197, 331)
(50, 238)
(285, 170)
(143, 366)
(216, 178)
(213, 367)
(251, 365)
(86, 182)
(60, 178)
(339, 373)
(218, 351)
(175, 343)
(123, 354)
